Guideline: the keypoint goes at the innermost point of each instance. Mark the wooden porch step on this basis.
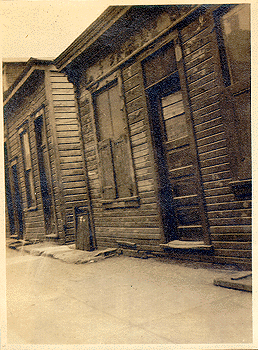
(53, 237)
(186, 245)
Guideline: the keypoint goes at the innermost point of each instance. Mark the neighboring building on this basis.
(44, 169)
(11, 69)
(164, 106)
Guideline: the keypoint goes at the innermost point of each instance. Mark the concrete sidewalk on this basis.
(120, 300)
(68, 253)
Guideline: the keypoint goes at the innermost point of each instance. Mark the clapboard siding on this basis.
(228, 223)
(53, 91)
(53, 170)
(141, 224)
(210, 136)
(225, 214)
(15, 115)
(72, 171)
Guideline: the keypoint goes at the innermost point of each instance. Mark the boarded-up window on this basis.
(29, 181)
(161, 76)
(113, 145)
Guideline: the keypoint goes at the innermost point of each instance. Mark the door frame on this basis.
(17, 195)
(9, 207)
(175, 36)
(228, 90)
(41, 112)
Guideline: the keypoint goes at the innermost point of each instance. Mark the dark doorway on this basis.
(176, 161)
(8, 196)
(17, 208)
(179, 186)
(44, 175)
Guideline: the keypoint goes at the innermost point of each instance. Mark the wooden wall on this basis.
(16, 113)
(138, 225)
(52, 90)
(70, 181)
(229, 219)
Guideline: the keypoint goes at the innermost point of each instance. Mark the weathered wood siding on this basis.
(139, 225)
(51, 91)
(70, 181)
(16, 115)
(229, 219)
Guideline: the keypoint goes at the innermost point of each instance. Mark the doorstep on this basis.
(186, 245)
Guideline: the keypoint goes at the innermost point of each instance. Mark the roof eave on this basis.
(90, 35)
(32, 65)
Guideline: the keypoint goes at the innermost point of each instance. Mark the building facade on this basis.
(138, 136)
(164, 106)
(44, 171)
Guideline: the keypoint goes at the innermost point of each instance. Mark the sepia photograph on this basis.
(127, 181)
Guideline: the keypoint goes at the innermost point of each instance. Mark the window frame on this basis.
(223, 56)
(31, 198)
(117, 202)
(229, 92)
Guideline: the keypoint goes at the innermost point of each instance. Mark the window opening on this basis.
(234, 39)
(40, 134)
(26, 154)
(174, 116)
(113, 145)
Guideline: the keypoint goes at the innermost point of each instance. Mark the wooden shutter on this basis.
(233, 37)
(107, 169)
(123, 176)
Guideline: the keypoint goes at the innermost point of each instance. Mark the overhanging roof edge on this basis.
(32, 65)
(90, 35)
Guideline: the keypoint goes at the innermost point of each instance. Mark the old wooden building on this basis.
(164, 106)
(44, 167)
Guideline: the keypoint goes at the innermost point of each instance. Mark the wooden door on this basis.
(181, 198)
(178, 160)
